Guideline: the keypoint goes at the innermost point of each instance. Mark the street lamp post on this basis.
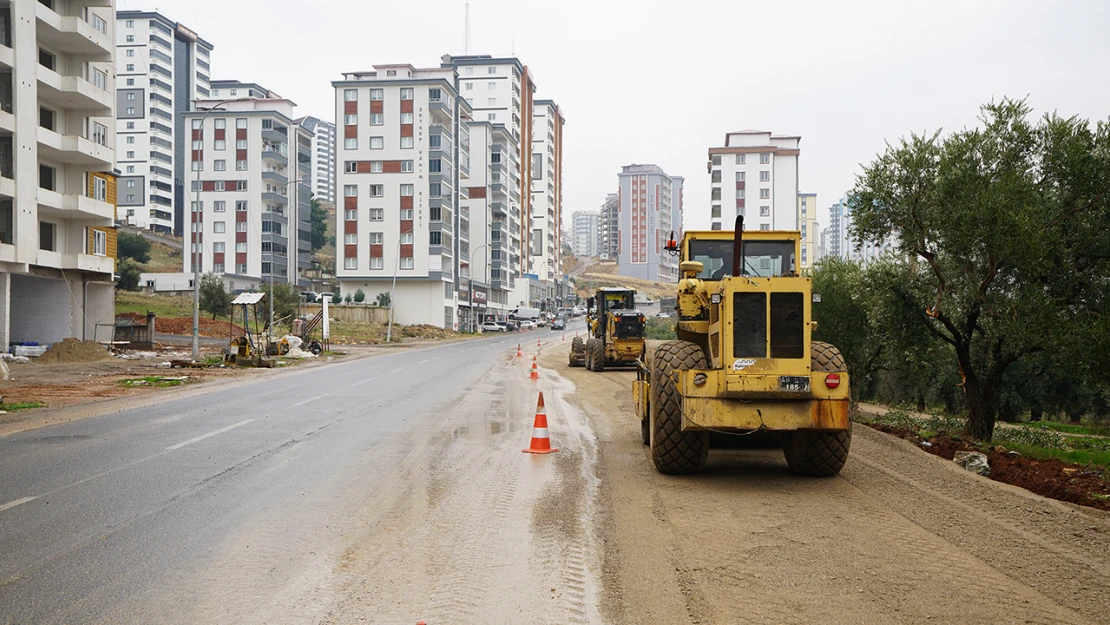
(471, 279)
(393, 289)
(193, 237)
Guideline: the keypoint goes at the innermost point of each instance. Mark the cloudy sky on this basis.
(654, 81)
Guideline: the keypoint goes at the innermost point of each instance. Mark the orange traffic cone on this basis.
(535, 375)
(537, 342)
(541, 444)
(518, 352)
(564, 336)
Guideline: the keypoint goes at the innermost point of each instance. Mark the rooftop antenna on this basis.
(466, 35)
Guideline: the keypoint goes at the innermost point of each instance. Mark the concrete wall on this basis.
(42, 309)
(353, 314)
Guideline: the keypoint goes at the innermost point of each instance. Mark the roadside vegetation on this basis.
(24, 405)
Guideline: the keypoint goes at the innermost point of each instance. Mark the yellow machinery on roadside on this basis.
(744, 360)
(616, 331)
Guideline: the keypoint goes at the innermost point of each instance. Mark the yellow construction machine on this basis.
(744, 361)
(616, 331)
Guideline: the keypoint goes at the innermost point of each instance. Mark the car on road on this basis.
(493, 326)
(664, 315)
(310, 297)
(558, 324)
(527, 324)
(579, 311)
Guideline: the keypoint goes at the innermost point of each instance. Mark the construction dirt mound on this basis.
(72, 350)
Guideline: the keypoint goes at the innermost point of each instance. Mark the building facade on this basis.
(249, 175)
(645, 216)
(162, 68)
(323, 157)
(547, 190)
(807, 225)
(608, 224)
(399, 184)
(586, 234)
(839, 241)
(755, 174)
(57, 132)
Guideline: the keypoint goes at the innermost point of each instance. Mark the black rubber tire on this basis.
(588, 356)
(645, 431)
(672, 450)
(577, 352)
(597, 356)
(819, 454)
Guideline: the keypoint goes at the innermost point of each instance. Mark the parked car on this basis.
(493, 326)
(527, 324)
(310, 297)
(558, 324)
(664, 315)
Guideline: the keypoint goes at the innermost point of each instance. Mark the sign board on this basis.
(185, 32)
(327, 327)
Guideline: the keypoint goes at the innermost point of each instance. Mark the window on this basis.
(240, 226)
(436, 165)
(240, 122)
(350, 167)
(130, 110)
(131, 52)
(377, 190)
(130, 83)
(377, 143)
(407, 190)
(406, 168)
(765, 176)
(350, 214)
(350, 239)
(406, 118)
(240, 206)
(130, 169)
(377, 119)
(131, 95)
(240, 247)
(131, 154)
(240, 267)
(100, 242)
(435, 238)
(46, 118)
(350, 119)
(491, 70)
(390, 72)
(221, 145)
(377, 262)
(377, 214)
(716, 196)
(218, 247)
(406, 238)
(764, 211)
(197, 165)
(130, 125)
(406, 143)
(350, 190)
(469, 86)
(220, 123)
(739, 159)
(129, 139)
(716, 211)
(469, 71)
(716, 176)
(406, 93)
(407, 262)
(220, 185)
(377, 94)
(130, 184)
(130, 38)
(717, 160)
(350, 143)
(375, 167)
(219, 227)
(739, 194)
(241, 144)
(241, 165)
(764, 226)
(350, 95)
(129, 23)
(491, 116)
(764, 158)
(196, 207)
(100, 134)
(739, 176)
(130, 67)
(350, 263)
(491, 85)
(764, 194)
(219, 165)
(219, 206)
(100, 189)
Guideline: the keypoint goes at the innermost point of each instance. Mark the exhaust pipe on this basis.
(738, 246)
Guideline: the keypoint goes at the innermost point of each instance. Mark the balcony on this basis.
(88, 262)
(7, 57)
(274, 156)
(271, 134)
(7, 186)
(274, 177)
(74, 149)
(75, 93)
(498, 208)
(72, 35)
(7, 121)
(70, 206)
(275, 198)
(441, 111)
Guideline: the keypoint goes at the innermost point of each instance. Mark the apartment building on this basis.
(807, 225)
(249, 190)
(755, 174)
(162, 68)
(608, 225)
(547, 190)
(646, 215)
(839, 241)
(56, 132)
(323, 157)
(586, 233)
(400, 188)
(500, 90)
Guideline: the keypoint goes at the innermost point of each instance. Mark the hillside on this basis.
(605, 274)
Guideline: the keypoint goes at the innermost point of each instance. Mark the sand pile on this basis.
(72, 350)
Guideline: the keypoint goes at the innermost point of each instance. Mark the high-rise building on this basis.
(839, 242)
(500, 90)
(645, 220)
(807, 225)
(401, 152)
(323, 157)
(547, 190)
(755, 174)
(249, 191)
(608, 224)
(587, 228)
(162, 68)
(58, 131)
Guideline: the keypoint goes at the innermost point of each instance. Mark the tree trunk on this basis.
(982, 411)
(920, 403)
(1035, 413)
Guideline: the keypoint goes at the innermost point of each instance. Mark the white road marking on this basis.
(12, 504)
(208, 435)
(422, 362)
(397, 369)
(363, 382)
(309, 400)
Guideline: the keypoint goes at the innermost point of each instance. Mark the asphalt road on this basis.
(219, 507)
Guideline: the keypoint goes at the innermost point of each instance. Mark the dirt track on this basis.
(899, 537)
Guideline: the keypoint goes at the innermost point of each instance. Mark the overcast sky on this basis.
(651, 81)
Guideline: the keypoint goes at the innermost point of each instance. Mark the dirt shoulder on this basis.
(899, 537)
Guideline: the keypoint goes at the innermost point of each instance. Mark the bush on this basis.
(383, 299)
(214, 297)
(347, 299)
(129, 275)
(132, 246)
(660, 328)
(1032, 437)
(286, 300)
(360, 296)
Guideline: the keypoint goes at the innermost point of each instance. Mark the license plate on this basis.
(794, 383)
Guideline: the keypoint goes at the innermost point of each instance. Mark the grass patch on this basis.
(163, 260)
(660, 328)
(153, 381)
(25, 405)
(1099, 457)
(161, 305)
(1069, 428)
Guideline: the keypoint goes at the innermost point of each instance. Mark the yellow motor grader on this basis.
(616, 331)
(744, 361)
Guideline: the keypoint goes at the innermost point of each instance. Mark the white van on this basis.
(523, 312)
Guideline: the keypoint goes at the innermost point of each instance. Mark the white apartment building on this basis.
(547, 190)
(807, 225)
(323, 157)
(645, 220)
(162, 67)
(56, 127)
(250, 216)
(586, 234)
(608, 237)
(755, 174)
(838, 240)
(500, 90)
(399, 183)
